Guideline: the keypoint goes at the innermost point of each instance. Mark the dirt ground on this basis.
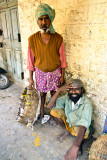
(17, 142)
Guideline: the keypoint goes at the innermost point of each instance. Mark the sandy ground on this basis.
(17, 142)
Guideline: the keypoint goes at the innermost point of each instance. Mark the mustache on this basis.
(44, 26)
(74, 94)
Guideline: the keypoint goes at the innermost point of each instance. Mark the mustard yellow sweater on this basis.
(47, 56)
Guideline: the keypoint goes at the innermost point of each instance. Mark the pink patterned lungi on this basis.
(47, 81)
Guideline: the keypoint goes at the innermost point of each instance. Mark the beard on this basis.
(44, 30)
(76, 98)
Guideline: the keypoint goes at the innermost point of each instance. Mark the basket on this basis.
(29, 108)
(98, 150)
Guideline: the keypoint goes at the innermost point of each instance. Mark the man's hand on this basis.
(65, 87)
(31, 83)
(72, 153)
(54, 97)
(61, 81)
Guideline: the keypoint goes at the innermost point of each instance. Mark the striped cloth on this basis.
(45, 9)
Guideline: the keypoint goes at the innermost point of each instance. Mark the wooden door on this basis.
(10, 52)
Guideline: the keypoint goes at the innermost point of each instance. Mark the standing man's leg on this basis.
(43, 99)
(52, 119)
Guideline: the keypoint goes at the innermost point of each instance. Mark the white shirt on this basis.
(73, 104)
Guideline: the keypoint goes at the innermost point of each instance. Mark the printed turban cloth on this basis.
(45, 9)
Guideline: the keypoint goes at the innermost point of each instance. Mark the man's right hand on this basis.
(65, 87)
(54, 97)
(31, 83)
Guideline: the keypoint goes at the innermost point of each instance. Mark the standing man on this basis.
(46, 55)
(73, 111)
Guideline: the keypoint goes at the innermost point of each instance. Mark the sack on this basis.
(29, 108)
(98, 150)
(105, 126)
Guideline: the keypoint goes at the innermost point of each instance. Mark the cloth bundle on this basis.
(98, 150)
(29, 108)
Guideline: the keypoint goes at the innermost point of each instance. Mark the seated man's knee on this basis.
(57, 113)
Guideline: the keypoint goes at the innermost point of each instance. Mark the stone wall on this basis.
(83, 25)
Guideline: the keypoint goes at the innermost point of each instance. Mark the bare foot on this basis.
(63, 136)
(53, 123)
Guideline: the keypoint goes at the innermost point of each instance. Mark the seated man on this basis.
(74, 112)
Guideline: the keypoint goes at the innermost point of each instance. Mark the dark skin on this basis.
(44, 20)
(71, 154)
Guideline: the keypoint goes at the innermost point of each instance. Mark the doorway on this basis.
(10, 49)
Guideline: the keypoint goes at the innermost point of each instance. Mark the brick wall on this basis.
(83, 25)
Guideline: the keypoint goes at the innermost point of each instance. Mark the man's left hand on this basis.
(61, 81)
(72, 153)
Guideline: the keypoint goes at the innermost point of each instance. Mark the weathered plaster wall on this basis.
(83, 25)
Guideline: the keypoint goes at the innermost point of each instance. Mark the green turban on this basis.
(45, 9)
